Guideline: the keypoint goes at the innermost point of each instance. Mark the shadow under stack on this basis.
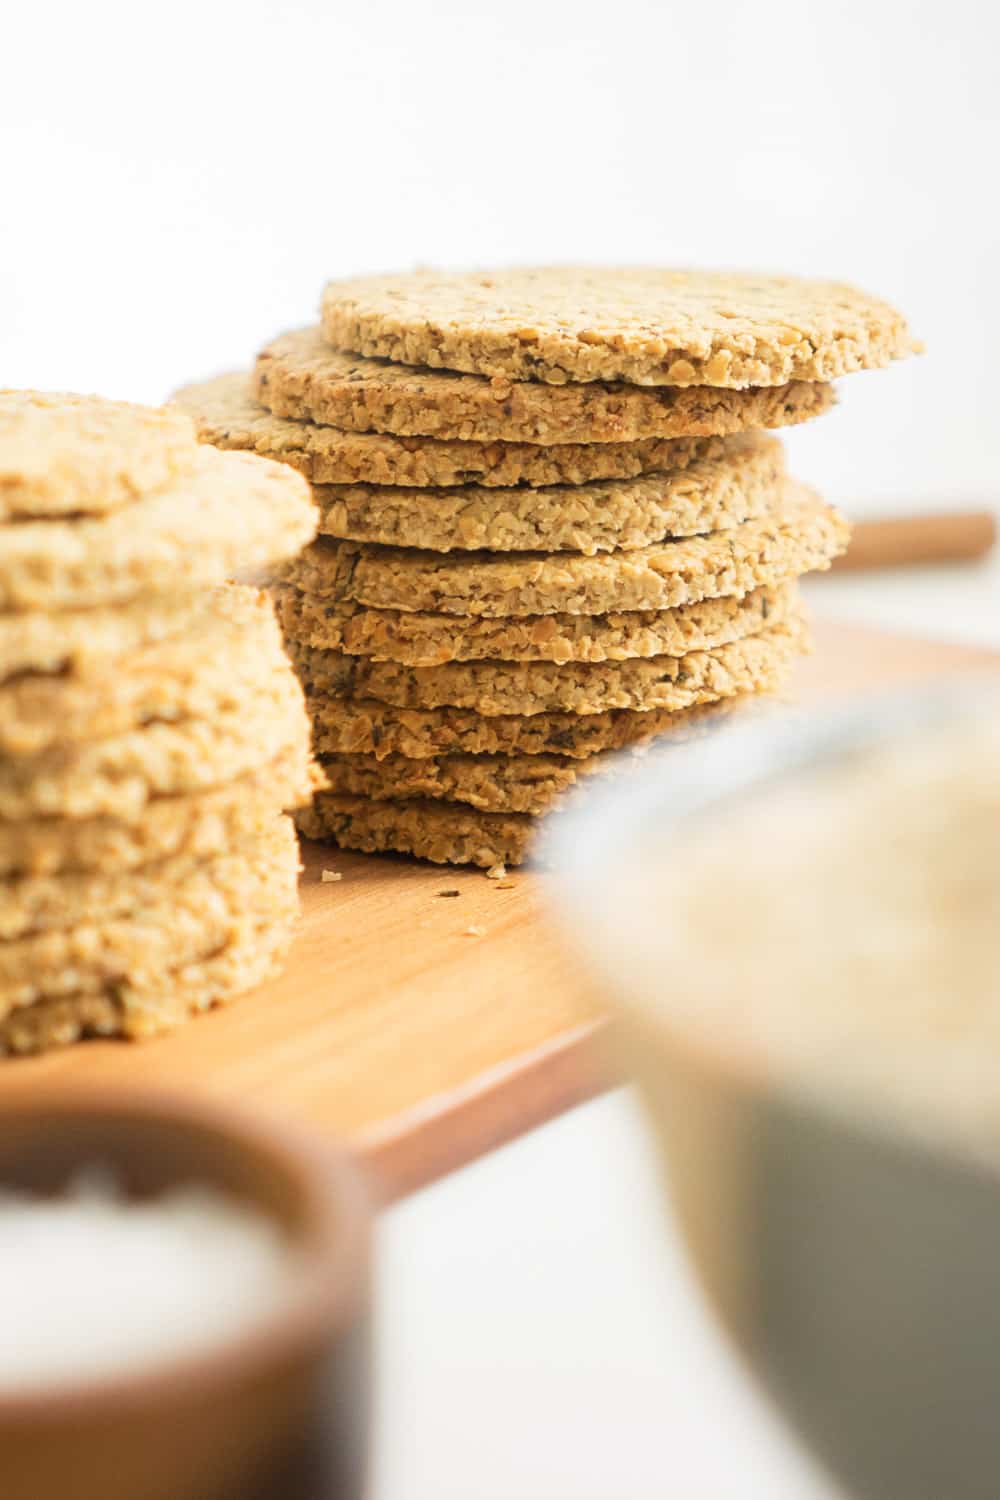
(554, 523)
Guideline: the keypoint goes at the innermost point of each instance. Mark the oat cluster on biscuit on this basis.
(555, 524)
(152, 732)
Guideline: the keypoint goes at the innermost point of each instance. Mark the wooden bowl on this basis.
(278, 1410)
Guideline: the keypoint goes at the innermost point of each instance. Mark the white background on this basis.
(180, 180)
(177, 182)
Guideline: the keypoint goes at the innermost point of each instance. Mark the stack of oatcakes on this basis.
(554, 523)
(151, 728)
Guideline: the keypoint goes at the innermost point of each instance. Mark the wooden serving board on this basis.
(421, 1027)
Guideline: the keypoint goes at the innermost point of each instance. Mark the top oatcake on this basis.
(299, 375)
(644, 325)
(64, 455)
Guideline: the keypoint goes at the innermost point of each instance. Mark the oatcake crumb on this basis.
(326, 876)
(474, 931)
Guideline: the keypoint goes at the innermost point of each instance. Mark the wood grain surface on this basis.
(396, 1026)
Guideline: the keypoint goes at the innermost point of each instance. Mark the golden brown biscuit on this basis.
(83, 455)
(185, 923)
(368, 727)
(199, 823)
(226, 415)
(80, 641)
(504, 783)
(136, 1010)
(203, 672)
(301, 376)
(800, 534)
(739, 478)
(230, 511)
(443, 832)
(119, 775)
(645, 325)
(496, 688)
(426, 640)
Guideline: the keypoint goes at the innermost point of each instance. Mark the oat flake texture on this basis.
(645, 325)
(300, 375)
(226, 415)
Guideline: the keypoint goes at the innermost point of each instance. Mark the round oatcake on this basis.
(139, 1000)
(229, 512)
(737, 478)
(300, 375)
(118, 776)
(226, 415)
(81, 641)
(645, 325)
(367, 726)
(128, 1009)
(202, 672)
(443, 832)
(495, 689)
(183, 924)
(799, 535)
(82, 455)
(426, 640)
(201, 823)
(505, 783)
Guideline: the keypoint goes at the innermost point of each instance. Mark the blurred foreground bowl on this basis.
(851, 1248)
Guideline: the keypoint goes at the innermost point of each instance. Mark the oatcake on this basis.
(81, 455)
(644, 325)
(86, 640)
(524, 688)
(739, 478)
(118, 775)
(443, 832)
(299, 375)
(139, 1008)
(367, 726)
(186, 923)
(237, 643)
(77, 898)
(799, 535)
(199, 823)
(230, 511)
(225, 415)
(500, 783)
(425, 640)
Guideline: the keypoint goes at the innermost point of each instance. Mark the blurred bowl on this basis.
(856, 1265)
(278, 1410)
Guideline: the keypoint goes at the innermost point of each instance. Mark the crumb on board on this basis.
(326, 876)
(449, 893)
(497, 872)
(504, 885)
(474, 930)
